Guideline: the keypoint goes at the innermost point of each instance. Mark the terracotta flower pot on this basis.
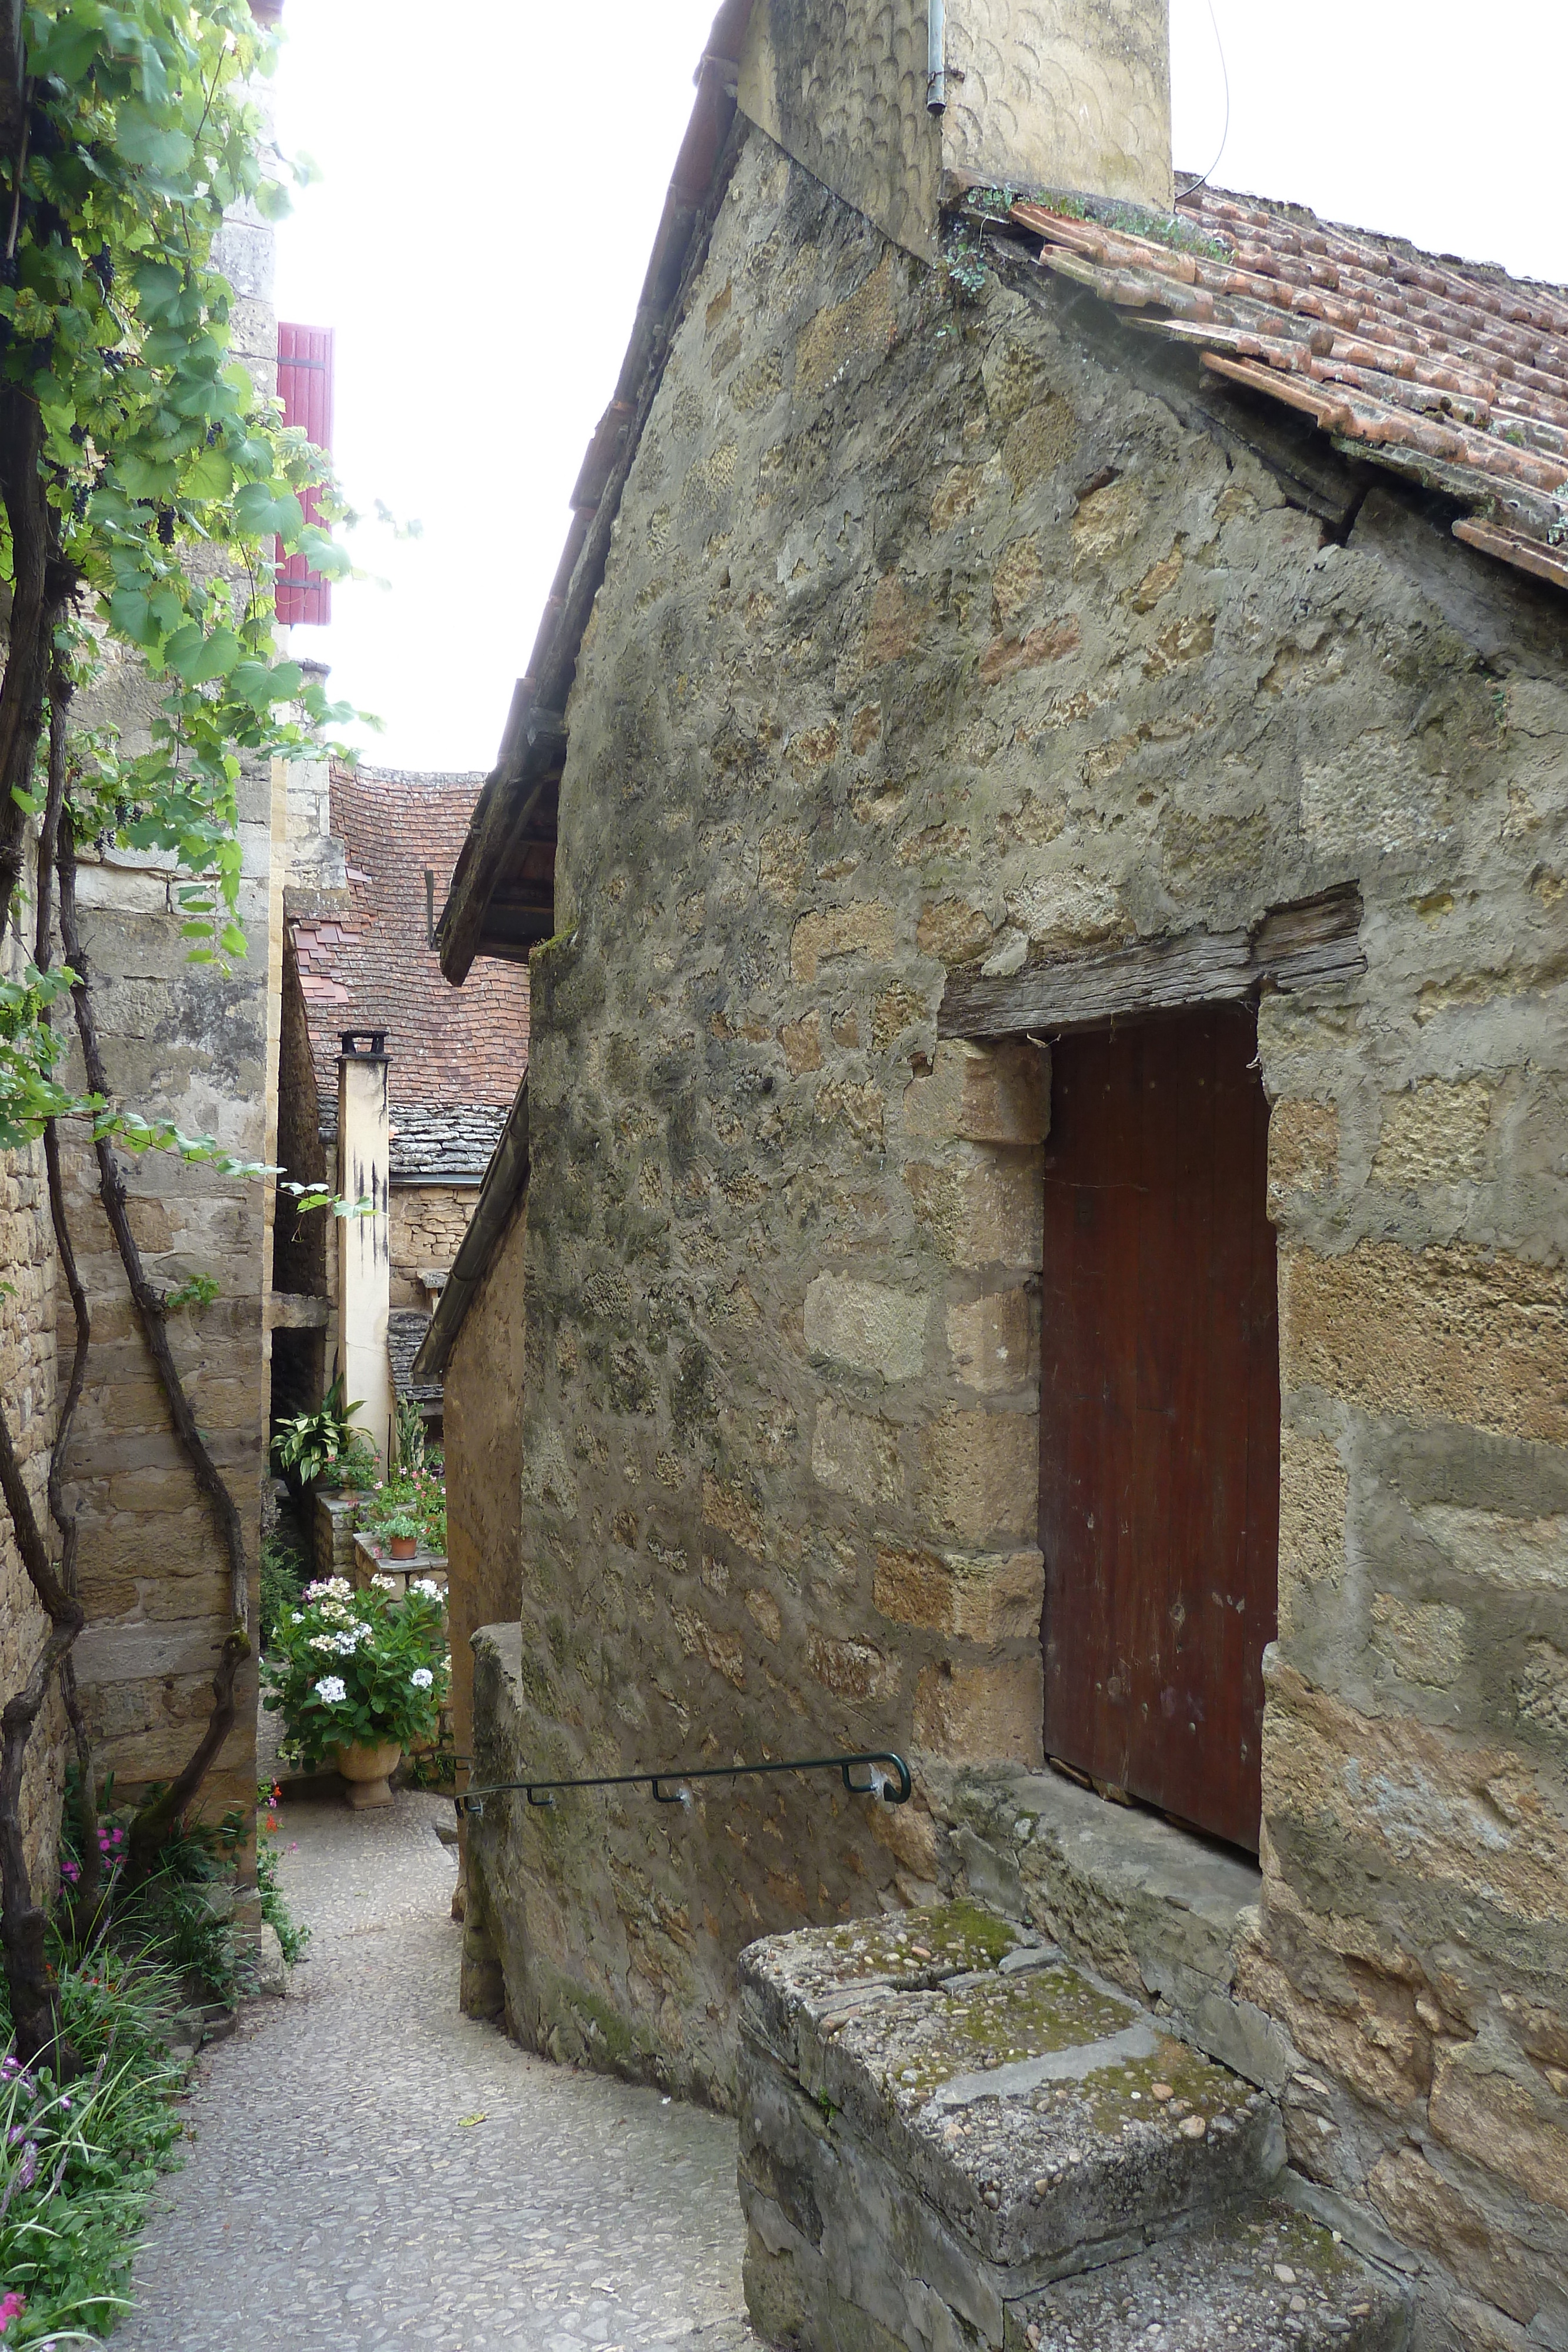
(367, 1771)
(402, 1547)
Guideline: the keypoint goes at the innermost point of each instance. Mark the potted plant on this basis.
(318, 1445)
(401, 1533)
(358, 1678)
(355, 1467)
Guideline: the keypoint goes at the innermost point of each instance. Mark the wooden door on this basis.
(1159, 1464)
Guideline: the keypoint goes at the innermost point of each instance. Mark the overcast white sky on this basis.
(492, 175)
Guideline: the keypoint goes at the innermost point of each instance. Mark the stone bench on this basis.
(950, 2138)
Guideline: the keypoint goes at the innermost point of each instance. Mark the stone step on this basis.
(1265, 2281)
(938, 2111)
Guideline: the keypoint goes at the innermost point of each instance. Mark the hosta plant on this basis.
(354, 1669)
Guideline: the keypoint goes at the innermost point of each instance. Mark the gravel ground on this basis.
(371, 2168)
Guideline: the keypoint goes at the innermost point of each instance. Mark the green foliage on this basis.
(356, 1466)
(283, 1573)
(197, 1290)
(291, 1935)
(312, 1444)
(964, 264)
(78, 2161)
(167, 476)
(357, 1667)
(417, 1495)
(183, 1911)
(400, 1526)
(411, 1443)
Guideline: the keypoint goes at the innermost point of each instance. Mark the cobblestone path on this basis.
(372, 2169)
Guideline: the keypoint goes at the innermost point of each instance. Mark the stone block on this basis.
(867, 927)
(991, 1712)
(977, 1596)
(1303, 1148)
(867, 1326)
(985, 1209)
(1514, 2128)
(856, 1454)
(1451, 1333)
(982, 1094)
(729, 1508)
(939, 2114)
(1315, 1496)
(1429, 2209)
(1451, 1818)
(850, 1669)
(979, 1475)
(1435, 1135)
(990, 1341)
(1273, 2277)
(1423, 1641)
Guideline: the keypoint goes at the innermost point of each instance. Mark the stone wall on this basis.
(27, 1380)
(200, 1046)
(428, 1221)
(483, 1417)
(190, 1045)
(937, 635)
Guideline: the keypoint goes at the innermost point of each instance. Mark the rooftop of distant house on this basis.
(455, 1055)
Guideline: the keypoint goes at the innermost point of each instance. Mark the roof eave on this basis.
(504, 1182)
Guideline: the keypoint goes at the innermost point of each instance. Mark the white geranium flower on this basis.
(295, 1617)
(329, 1588)
(384, 1583)
(323, 1641)
(331, 1688)
(422, 1679)
(428, 1586)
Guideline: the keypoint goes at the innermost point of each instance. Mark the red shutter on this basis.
(304, 387)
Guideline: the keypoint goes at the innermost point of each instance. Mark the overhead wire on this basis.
(1182, 194)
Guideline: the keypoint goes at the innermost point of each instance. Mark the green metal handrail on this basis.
(895, 1791)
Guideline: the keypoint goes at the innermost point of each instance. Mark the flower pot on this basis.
(366, 1771)
(402, 1547)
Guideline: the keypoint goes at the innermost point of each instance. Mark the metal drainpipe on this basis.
(936, 58)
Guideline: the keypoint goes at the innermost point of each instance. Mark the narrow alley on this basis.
(371, 2168)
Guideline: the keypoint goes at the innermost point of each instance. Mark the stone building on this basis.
(374, 853)
(1043, 1231)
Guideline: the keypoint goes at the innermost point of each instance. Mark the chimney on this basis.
(896, 105)
(365, 1255)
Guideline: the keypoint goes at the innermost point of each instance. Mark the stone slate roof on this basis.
(406, 1328)
(1449, 370)
(456, 1056)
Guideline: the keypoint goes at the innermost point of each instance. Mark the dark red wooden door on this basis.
(1159, 1465)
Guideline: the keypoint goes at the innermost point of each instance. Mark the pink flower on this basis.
(12, 2308)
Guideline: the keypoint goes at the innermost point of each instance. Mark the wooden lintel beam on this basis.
(1313, 943)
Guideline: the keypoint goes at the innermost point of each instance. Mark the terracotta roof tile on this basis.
(455, 1055)
(1416, 359)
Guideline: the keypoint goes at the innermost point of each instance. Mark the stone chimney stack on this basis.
(364, 1243)
(1071, 95)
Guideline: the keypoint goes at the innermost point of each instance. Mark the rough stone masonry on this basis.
(939, 634)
